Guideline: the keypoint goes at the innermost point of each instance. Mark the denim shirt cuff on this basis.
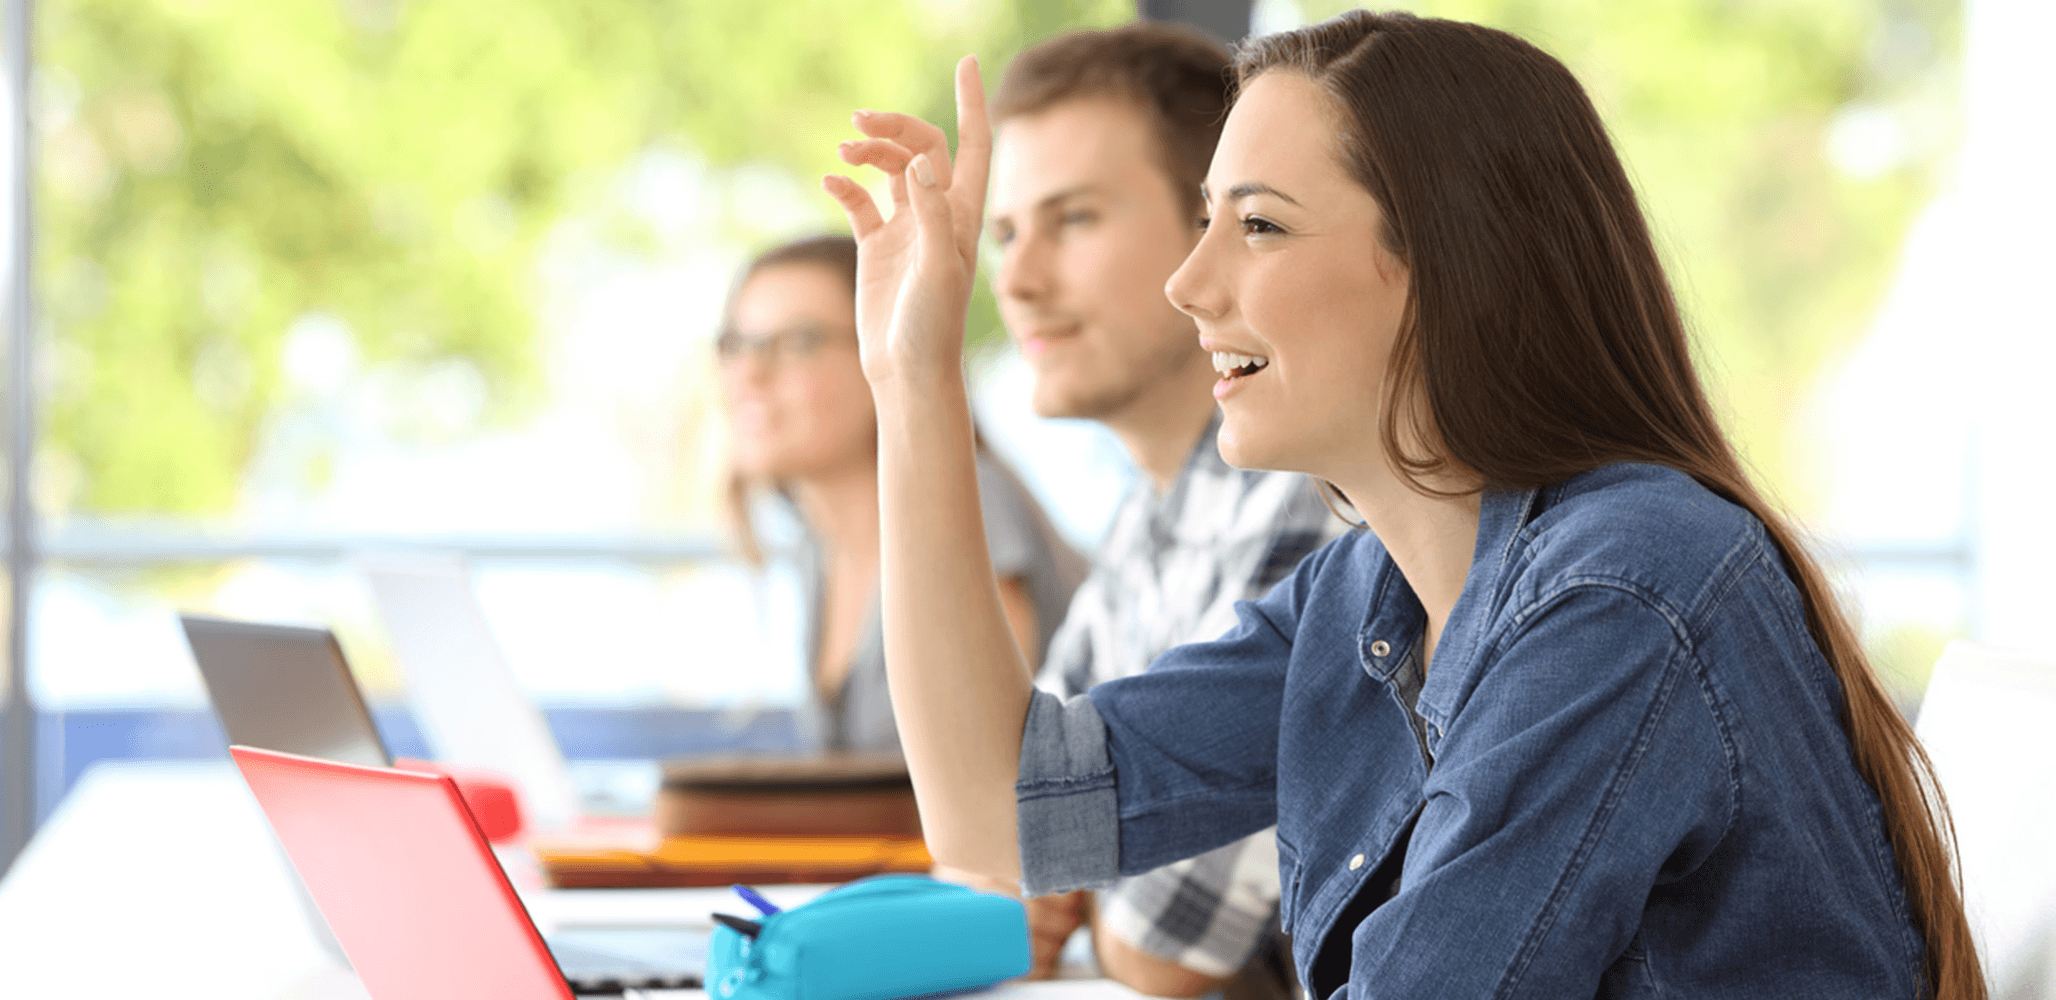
(1069, 815)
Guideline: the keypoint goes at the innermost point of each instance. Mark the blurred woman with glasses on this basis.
(804, 435)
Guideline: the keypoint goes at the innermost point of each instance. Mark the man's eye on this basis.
(1077, 218)
(1203, 220)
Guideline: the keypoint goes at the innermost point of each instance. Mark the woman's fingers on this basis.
(947, 198)
(886, 155)
(915, 135)
(974, 149)
(856, 204)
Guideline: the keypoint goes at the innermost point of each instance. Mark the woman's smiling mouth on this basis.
(1233, 366)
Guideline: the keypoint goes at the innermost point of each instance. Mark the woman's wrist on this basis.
(914, 375)
(914, 400)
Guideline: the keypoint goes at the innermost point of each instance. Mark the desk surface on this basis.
(1061, 989)
(164, 877)
(200, 904)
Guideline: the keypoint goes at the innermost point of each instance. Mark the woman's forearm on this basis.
(959, 688)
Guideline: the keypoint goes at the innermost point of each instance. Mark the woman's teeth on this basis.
(1232, 365)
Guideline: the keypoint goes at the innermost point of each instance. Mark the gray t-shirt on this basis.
(1024, 545)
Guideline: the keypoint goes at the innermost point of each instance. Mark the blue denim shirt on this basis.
(1635, 783)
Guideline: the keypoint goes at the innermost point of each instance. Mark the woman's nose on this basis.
(1195, 287)
(748, 367)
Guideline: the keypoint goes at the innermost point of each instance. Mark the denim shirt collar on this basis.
(1502, 518)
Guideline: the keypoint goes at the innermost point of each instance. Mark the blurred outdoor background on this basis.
(320, 278)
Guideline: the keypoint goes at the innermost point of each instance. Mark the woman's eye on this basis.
(1254, 225)
(1077, 218)
(1203, 220)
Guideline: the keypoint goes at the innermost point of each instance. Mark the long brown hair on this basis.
(1542, 340)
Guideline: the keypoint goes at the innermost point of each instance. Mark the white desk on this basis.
(164, 880)
(1060, 989)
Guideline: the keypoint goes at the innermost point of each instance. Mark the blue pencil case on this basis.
(877, 939)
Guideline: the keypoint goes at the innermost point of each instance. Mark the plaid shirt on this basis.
(1170, 572)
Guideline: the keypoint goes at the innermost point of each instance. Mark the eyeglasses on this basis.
(776, 347)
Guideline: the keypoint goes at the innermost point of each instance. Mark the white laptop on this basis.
(463, 694)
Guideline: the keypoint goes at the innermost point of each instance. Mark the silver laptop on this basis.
(284, 688)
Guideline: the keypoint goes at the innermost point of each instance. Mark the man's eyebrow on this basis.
(1066, 194)
(1049, 200)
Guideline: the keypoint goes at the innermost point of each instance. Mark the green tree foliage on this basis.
(210, 171)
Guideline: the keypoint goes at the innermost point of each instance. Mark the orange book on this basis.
(717, 861)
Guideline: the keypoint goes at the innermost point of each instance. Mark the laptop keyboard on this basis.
(605, 961)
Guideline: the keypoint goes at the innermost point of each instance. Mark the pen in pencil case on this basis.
(752, 897)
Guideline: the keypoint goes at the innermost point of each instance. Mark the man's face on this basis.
(1089, 229)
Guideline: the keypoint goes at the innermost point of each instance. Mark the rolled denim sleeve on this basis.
(1069, 822)
(1194, 740)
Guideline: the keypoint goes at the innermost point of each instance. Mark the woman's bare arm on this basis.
(960, 690)
(1022, 621)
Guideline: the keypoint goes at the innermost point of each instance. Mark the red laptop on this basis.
(418, 900)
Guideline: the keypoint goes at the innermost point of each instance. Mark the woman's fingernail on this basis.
(921, 171)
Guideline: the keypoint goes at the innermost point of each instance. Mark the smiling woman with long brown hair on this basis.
(1576, 715)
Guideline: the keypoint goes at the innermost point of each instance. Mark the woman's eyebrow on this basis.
(1251, 188)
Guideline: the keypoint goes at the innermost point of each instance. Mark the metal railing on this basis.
(89, 544)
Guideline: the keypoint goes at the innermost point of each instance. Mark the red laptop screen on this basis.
(409, 886)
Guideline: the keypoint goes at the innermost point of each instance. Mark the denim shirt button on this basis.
(1381, 648)
(1356, 862)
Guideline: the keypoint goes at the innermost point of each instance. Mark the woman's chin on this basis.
(763, 465)
(1242, 448)
(1245, 445)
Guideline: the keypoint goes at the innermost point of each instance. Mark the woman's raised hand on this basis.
(914, 271)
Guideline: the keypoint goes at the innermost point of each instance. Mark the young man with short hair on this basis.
(1102, 141)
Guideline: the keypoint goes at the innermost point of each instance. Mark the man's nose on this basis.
(1024, 269)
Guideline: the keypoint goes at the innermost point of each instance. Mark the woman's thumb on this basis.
(931, 205)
